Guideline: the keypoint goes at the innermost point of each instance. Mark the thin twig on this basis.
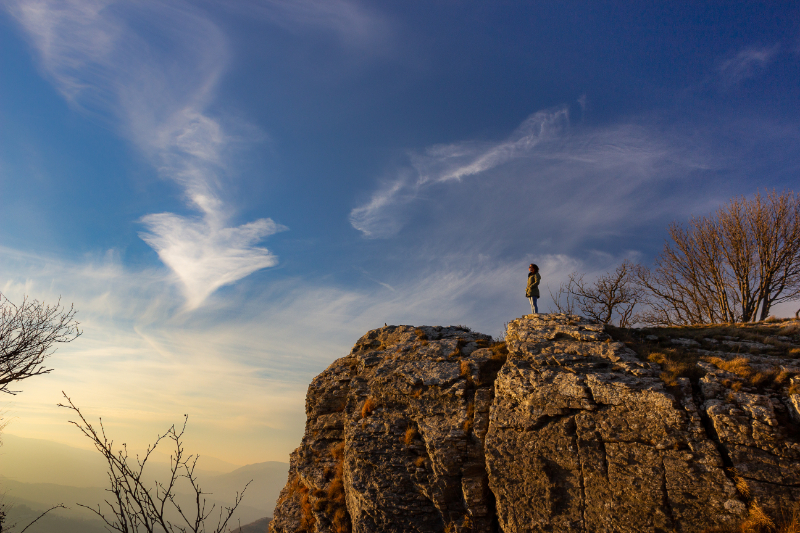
(59, 506)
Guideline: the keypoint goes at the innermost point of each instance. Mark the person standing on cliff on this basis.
(532, 290)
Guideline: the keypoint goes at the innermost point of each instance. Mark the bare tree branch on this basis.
(612, 296)
(59, 506)
(27, 335)
(134, 506)
(732, 266)
(11, 528)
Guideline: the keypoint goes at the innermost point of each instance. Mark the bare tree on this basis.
(732, 266)
(134, 507)
(27, 335)
(612, 296)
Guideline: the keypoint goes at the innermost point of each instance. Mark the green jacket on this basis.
(533, 285)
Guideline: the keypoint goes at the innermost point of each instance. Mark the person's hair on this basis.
(535, 267)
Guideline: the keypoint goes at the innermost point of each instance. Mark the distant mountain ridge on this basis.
(38, 474)
(43, 461)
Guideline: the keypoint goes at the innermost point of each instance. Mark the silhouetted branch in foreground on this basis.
(135, 506)
(28, 332)
(10, 528)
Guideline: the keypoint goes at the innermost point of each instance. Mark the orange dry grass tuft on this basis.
(739, 366)
(336, 501)
(460, 343)
(757, 520)
(419, 461)
(410, 434)
(292, 488)
(741, 484)
(673, 367)
(499, 351)
(337, 452)
(331, 502)
(369, 406)
(466, 372)
(307, 519)
(467, 426)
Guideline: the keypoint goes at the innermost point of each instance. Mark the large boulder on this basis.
(559, 428)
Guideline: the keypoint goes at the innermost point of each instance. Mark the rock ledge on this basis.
(437, 429)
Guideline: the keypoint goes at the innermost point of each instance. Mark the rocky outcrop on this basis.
(560, 428)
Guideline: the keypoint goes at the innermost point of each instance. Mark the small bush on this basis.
(419, 461)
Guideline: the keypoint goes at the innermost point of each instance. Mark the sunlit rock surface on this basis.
(436, 429)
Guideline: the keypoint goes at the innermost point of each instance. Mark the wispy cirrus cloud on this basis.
(380, 216)
(99, 55)
(747, 63)
(596, 173)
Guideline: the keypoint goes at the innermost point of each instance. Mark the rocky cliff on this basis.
(560, 428)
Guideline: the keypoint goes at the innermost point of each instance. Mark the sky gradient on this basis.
(231, 193)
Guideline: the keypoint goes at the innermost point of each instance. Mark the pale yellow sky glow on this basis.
(239, 366)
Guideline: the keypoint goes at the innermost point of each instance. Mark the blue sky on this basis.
(232, 193)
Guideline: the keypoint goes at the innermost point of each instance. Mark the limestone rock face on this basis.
(585, 437)
(438, 429)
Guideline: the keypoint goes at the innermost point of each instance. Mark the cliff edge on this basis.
(559, 428)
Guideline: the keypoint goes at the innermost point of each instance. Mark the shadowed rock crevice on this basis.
(560, 429)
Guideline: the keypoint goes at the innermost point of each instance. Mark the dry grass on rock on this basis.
(369, 406)
(727, 346)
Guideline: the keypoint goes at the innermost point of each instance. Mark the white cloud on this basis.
(205, 257)
(99, 59)
(593, 172)
(747, 63)
(70, 36)
(240, 365)
(450, 162)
